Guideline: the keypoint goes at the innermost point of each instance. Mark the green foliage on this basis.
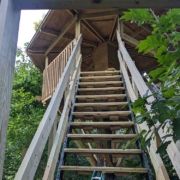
(26, 113)
(139, 16)
(164, 43)
(38, 23)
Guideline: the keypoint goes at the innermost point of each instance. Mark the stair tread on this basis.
(101, 96)
(101, 113)
(102, 136)
(101, 89)
(105, 169)
(100, 83)
(103, 151)
(101, 104)
(101, 124)
(99, 77)
(98, 72)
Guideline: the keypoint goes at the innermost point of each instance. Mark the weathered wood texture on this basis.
(62, 126)
(82, 4)
(54, 71)
(9, 25)
(119, 170)
(33, 155)
(143, 89)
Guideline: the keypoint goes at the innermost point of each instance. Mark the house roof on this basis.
(97, 26)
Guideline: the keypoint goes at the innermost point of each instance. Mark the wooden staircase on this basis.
(100, 127)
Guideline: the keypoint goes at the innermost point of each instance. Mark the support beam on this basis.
(63, 31)
(130, 39)
(113, 31)
(9, 24)
(87, 25)
(89, 4)
(99, 14)
(48, 33)
(92, 30)
(77, 29)
(68, 36)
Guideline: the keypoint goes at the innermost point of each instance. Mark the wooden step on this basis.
(101, 104)
(101, 97)
(102, 136)
(106, 170)
(100, 91)
(100, 78)
(101, 124)
(102, 113)
(100, 84)
(99, 73)
(86, 151)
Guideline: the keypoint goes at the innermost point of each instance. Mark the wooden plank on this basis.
(31, 160)
(9, 25)
(99, 14)
(102, 136)
(82, 84)
(89, 4)
(102, 89)
(104, 169)
(106, 96)
(62, 127)
(102, 114)
(99, 72)
(101, 83)
(101, 124)
(85, 151)
(101, 104)
(98, 78)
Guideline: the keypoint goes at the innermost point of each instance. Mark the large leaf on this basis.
(139, 16)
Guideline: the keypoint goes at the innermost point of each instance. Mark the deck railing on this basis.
(136, 86)
(54, 71)
(67, 83)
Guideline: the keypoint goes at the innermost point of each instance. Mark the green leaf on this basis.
(139, 16)
(158, 72)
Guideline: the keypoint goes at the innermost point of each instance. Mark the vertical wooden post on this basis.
(9, 25)
(46, 61)
(52, 134)
(77, 34)
(120, 28)
(77, 29)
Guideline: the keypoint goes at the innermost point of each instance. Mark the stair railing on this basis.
(34, 153)
(136, 86)
(54, 71)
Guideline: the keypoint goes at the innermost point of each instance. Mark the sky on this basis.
(26, 29)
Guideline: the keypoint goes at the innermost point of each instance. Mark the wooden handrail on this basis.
(33, 155)
(143, 89)
(62, 126)
(54, 71)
